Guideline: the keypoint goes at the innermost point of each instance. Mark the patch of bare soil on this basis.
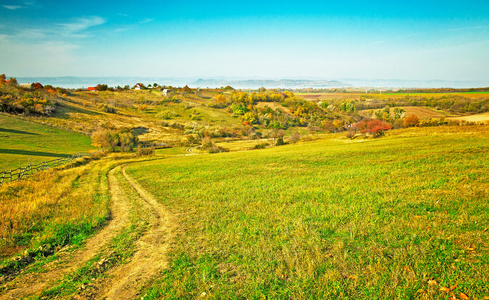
(273, 105)
(30, 284)
(125, 281)
(312, 97)
(422, 112)
(473, 118)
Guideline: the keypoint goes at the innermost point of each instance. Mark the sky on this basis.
(420, 40)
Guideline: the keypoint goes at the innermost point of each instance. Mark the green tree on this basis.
(348, 107)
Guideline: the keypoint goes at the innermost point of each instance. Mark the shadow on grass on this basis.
(64, 108)
(17, 131)
(32, 153)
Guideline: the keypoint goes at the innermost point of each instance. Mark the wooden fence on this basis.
(24, 172)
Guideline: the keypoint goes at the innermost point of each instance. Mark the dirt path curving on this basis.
(151, 253)
(124, 281)
(34, 283)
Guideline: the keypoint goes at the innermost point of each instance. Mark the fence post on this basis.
(29, 169)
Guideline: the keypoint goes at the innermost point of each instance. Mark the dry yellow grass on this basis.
(38, 210)
(474, 118)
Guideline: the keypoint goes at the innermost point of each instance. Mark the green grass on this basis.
(329, 219)
(21, 140)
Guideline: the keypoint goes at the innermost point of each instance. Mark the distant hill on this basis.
(257, 83)
(402, 83)
(79, 82)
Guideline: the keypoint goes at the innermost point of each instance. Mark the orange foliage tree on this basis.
(411, 121)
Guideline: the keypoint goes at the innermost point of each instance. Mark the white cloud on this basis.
(20, 4)
(12, 7)
(50, 48)
(32, 34)
(146, 20)
(81, 24)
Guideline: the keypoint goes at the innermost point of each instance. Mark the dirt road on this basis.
(120, 280)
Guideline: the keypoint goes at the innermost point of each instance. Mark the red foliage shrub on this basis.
(374, 127)
(37, 86)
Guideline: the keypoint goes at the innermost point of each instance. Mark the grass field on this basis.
(55, 207)
(397, 217)
(392, 218)
(438, 94)
(22, 140)
(386, 96)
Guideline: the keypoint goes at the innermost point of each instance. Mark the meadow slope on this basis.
(392, 218)
(22, 141)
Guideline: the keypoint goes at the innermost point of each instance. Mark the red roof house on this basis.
(91, 88)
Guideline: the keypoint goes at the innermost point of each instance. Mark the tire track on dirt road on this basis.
(34, 283)
(125, 281)
(122, 281)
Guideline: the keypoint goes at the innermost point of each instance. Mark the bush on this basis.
(259, 146)
(280, 141)
(16, 101)
(106, 138)
(295, 137)
(376, 128)
(351, 134)
(411, 121)
(145, 151)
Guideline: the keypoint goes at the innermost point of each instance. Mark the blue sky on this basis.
(447, 40)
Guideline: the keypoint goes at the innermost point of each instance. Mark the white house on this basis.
(26, 85)
(166, 92)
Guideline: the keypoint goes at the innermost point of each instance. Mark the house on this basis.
(138, 86)
(26, 85)
(91, 89)
(166, 92)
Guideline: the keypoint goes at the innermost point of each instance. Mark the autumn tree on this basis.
(101, 138)
(252, 118)
(101, 87)
(12, 81)
(37, 86)
(411, 121)
(375, 127)
(186, 89)
(112, 138)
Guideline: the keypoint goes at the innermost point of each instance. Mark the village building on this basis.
(26, 85)
(165, 92)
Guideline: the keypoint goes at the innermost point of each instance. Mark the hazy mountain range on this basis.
(83, 82)
(282, 83)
